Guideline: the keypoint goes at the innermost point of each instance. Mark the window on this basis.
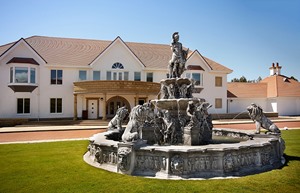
(55, 105)
(117, 65)
(141, 101)
(11, 75)
(120, 75)
(117, 75)
(23, 106)
(82, 75)
(126, 75)
(96, 75)
(22, 75)
(32, 75)
(197, 77)
(218, 81)
(137, 76)
(56, 76)
(218, 103)
(108, 75)
(114, 75)
(149, 77)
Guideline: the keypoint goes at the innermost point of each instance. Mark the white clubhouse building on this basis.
(49, 78)
(58, 78)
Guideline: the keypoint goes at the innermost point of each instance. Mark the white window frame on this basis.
(97, 72)
(55, 111)
(140, 76)
(23, 106)
(190, 75)
(80, 73)
(151, 77)
(56, 77)
(12, 76)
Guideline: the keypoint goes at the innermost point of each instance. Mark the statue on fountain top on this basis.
(177, 62)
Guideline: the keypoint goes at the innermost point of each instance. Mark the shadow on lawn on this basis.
(289, 158)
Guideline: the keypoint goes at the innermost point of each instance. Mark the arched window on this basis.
(117, 65)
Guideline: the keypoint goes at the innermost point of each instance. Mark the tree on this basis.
(258, 79)
(235, 80)
(243, 79)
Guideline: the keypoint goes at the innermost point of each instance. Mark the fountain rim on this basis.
(260, 139)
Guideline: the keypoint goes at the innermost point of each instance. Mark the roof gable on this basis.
(17, 44)
(194, 57)
(111, 45)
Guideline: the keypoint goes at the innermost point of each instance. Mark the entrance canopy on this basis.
(115, 86)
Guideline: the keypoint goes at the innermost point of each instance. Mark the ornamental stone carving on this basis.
(177, 164)
(124, 158)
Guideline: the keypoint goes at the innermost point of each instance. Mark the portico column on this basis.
(75, 107)
(104, 108)
(136, 99)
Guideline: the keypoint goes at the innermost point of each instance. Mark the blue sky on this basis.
(244, 35)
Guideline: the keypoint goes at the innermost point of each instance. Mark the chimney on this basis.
(278, 69)
(272, 69)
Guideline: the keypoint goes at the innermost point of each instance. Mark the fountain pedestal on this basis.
(191, 136)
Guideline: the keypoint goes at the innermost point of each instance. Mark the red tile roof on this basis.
(282, 86)
(82, 52)
(246, 90)
(272, 86)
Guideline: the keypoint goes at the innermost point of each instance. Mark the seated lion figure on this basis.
(116, 122)
(257, 115)
(137, 118)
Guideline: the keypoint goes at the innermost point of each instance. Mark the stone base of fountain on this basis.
(244, 154)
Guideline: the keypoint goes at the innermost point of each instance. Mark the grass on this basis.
(59, 167)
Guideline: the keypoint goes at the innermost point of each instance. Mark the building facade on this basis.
(275, 93)
(49, 78)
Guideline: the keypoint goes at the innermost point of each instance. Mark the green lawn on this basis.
(59, 167)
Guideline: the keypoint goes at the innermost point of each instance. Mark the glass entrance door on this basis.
(114, 103)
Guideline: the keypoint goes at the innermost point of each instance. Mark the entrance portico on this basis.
(102, 98)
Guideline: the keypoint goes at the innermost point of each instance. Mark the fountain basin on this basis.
(175, 104)
(253, 154)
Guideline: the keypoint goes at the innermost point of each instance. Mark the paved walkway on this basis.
(74, 132)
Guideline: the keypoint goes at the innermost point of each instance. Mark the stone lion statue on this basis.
(116, 122)
(137, 118)
(257, 115)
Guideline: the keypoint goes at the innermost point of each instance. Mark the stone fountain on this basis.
(173, 137)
